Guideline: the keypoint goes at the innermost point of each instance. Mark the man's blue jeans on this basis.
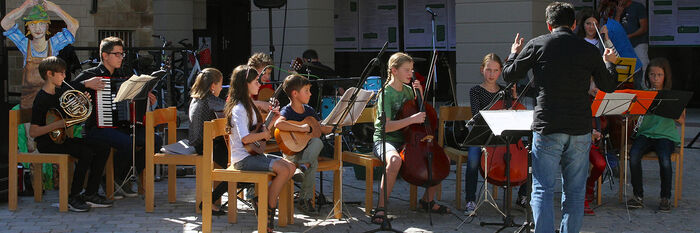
(551, 152)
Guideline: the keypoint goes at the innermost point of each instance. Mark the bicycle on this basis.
(188, 56)
(168, 87)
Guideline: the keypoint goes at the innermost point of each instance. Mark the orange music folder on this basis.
(643, 100)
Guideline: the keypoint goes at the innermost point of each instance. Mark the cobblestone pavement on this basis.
(128, 214)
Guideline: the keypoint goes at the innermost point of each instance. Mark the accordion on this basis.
(110, 114)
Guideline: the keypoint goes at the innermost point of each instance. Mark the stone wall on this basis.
(136, 15)
(173, 18)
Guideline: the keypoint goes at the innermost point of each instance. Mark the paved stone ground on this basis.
(128, 214)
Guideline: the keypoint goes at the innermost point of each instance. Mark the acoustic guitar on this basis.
(291, 142)
(258, 147)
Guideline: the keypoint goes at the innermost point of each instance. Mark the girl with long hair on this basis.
(396, 92)
(242, 115)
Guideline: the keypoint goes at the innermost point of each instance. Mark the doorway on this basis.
(228, 23)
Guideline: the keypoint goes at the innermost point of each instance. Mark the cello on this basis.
(424, 162)
(496, 173)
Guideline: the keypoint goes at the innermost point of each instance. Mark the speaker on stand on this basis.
(269, 4)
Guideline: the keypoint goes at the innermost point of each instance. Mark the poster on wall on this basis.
(674, 23)
(418, 30)
(346, 25)
(378, 24)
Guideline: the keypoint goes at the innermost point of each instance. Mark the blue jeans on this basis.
(551, 152)
(471, 175)
(663, 148)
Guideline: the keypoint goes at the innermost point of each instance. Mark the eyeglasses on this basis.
(119, 54)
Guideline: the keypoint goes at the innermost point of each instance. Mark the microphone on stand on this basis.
(430, 11)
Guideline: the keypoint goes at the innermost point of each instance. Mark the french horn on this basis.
(77, 107)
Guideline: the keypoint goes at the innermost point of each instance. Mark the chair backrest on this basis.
(368, 115)
(212, 129)
(17, 117)
(451, 113)
(158, 117)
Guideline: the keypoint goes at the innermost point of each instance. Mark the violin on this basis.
(496, 158)
(424, 162)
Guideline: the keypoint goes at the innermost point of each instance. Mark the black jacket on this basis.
(562, 64)
(101, 71)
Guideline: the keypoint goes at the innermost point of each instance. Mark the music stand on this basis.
(499, 128)
(356, 105)
(133, 89)
(665, 103)
(625, 67)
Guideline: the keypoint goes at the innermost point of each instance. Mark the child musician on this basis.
(396, 92)
(91, 154)
(655, 133)
(242, 116)
(204, 105)
(298, 90)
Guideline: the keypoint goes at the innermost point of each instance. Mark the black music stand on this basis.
(134, 92)
(500, 128)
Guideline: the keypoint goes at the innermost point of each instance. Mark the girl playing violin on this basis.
(481, 96)
(242, 115)
(588, 21)
(396, 92)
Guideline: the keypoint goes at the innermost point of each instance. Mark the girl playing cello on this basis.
(396, 92)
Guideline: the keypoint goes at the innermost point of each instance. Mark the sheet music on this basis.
(501, 120)
(614, 103)
(131, 87)
(363, 96)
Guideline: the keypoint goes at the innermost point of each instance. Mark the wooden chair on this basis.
(676, 157)
(64, 161)
(369, 161)
(213, 129)
(336, 165)
(449, 113)
(153, 119)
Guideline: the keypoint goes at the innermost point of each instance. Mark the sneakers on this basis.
(307, 207)
(298, 175)
(470, 208)
(635, 203)
(97, 201)
(125, 191)
(77, 204)
(664, 205)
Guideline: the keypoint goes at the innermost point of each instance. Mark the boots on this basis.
(587, 210)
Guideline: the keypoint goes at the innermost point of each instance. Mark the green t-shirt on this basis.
(395, 100)
(658, 127)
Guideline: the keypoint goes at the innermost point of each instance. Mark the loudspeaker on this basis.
(269, 3)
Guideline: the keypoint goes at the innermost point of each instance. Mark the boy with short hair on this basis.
(299, 93)
(91, 155)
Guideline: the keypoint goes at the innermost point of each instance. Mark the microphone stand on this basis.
(374, 63)
(434, 39)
